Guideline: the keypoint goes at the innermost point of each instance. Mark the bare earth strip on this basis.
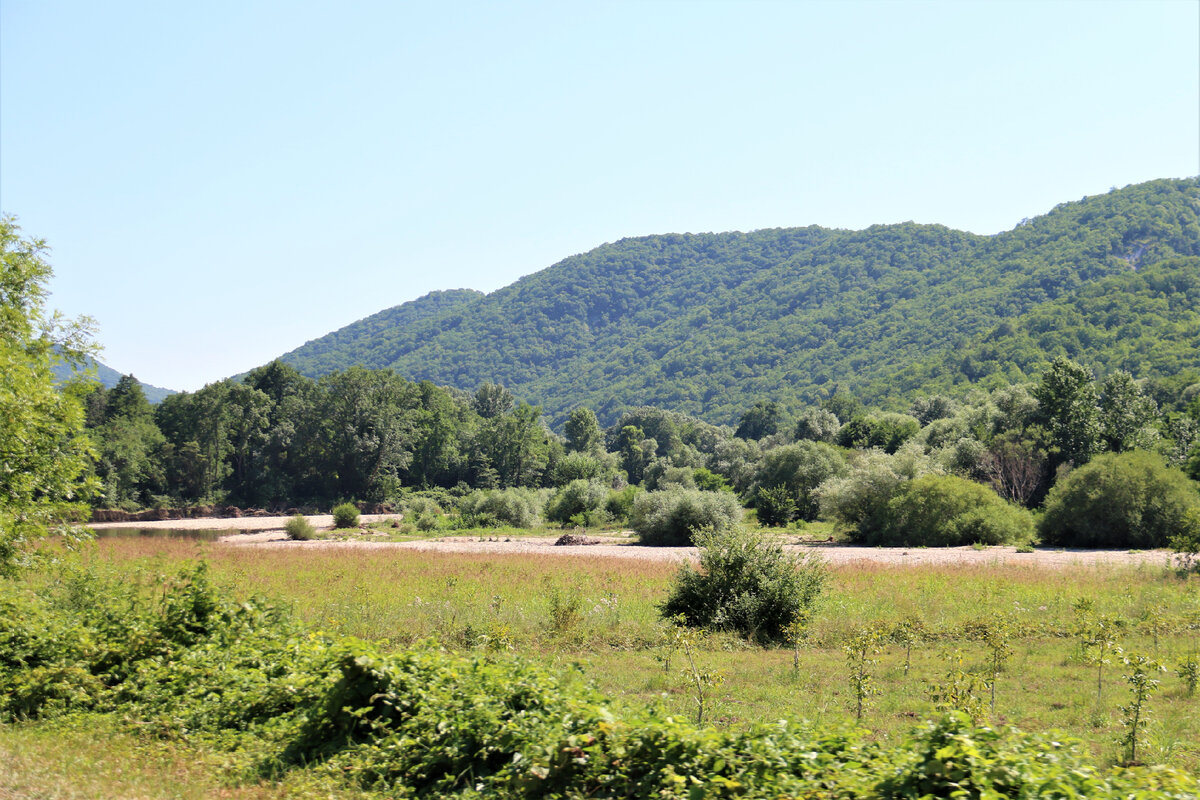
(268, 532)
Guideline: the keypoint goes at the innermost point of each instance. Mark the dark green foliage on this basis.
(949, 511)
(345, 515)
(671, 518)
(706, 323)
(1067, 409)
(620, 502)
(884, 431)
(1125, 500)
(775, 506)
(746, 584)
(761, 420)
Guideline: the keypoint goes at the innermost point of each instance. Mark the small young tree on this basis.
(1100, 644)
(862, 645)
(1134, 714)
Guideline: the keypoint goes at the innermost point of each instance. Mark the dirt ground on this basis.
(268, 532)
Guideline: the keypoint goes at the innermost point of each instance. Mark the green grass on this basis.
(603, 614)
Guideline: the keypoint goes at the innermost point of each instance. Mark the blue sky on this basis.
(221, 182)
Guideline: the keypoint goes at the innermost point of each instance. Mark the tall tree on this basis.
(1125, 413)
(44, 452)
(583, 432)
(1067, 410)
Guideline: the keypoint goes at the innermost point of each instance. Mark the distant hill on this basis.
(108, 378)
(708, 323)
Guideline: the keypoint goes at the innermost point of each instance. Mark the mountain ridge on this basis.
(707, 323)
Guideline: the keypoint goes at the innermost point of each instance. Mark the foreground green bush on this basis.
(746, 584)
(670, 518)
(1124, 500)
(345, 515)
(179, 660)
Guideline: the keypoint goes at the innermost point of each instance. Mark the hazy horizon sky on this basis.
(221, 182)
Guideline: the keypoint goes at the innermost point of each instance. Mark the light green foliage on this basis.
(1100, 645)
(801, 468)
(960, 692)
(1189, 671)
(44, 454)
(577, 497)
(1125, 500)
(496, 507)
(858, 502)
(345, 515)
(583, 432)
(620, 503)
(671, 518)
(1134, 714)
(703, 682)
(747, 584)
(860, 649)
(817, 425)
(1125, 414)
(908, 633)
(949, 511)
(300, 529)
(997, 635)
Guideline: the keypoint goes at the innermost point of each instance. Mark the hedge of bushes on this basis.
(182, 661)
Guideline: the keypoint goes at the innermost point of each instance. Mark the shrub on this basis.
(670, 518)
(576, 498)
(775, 506)
(801, 468)
(949, 511)
(345, 516)
(496, 507)
(1123, 500)
(300, 529)
(747, 584)
(620, 503)
(584, 466)
(858, 503)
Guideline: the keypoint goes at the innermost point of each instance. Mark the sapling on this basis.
(906, 633)
(997, 633)
(960, 691)
(1189, 671)
(797, 633)
(863, 644)
(1133, 715)
(1100, 642)
(703, 682)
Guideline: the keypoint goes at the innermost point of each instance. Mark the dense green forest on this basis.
(705, 324)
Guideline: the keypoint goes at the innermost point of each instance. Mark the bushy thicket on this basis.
(670, 518)
(577, 498)
(518, 508)
(1120, 500)
(183, 661)
(949, 511)
(746, 584)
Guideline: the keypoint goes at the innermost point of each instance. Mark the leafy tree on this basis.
(1125, 413)
(949, 511)
(583, 432)
(884, 431)
(44, 453)
(759, 421)
(1120, 500)
(800, 468)
(492, 400)
(671, 518)
(818, 425)
(1067, 410)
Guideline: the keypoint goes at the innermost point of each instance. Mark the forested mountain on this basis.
(708, 323)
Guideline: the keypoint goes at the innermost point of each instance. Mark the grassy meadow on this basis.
(600, 616)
